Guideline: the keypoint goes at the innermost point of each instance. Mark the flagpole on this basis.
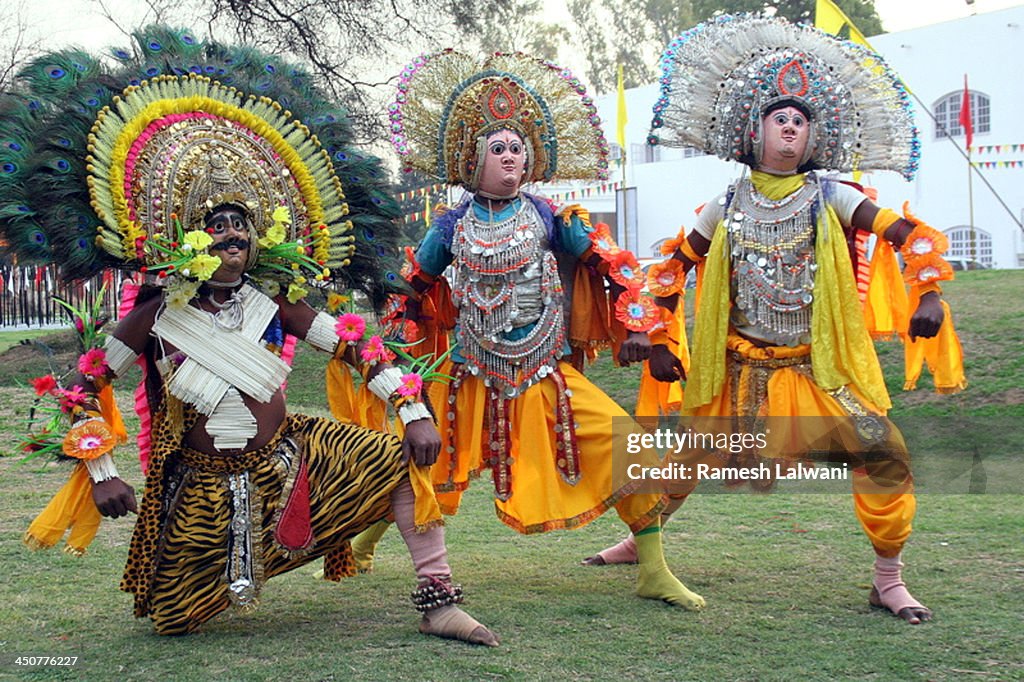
(970, 204)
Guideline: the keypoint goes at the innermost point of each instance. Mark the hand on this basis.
(928, 317)
(664, 364)
(422, 442)
(636, 348)
(114, 498)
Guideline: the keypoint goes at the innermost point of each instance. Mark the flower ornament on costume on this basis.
(71, 398)
(350, 328)
(89, 440)
(922, 252)
(625, 270)
(93, 363)
(924, 240)
(375, 351)
(636, 311)
(57, 409)
(44, 385)
(669, 246)
(927, 270)
(412, 384)
(666, 278)
(448, 101)
(602, 241)
(719, 76)
(335, 301)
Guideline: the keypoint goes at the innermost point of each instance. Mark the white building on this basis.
(671, 183)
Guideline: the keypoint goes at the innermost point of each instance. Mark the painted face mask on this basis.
(503, 166)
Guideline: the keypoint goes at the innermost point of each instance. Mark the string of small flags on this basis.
(586, 192)
(998, 164)
(997, 148)
(573, 195)
(421, 192)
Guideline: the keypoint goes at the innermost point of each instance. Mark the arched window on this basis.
(960, 244)
(947, 114)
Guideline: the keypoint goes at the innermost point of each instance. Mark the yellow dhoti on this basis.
(536, 497)
(777, 381)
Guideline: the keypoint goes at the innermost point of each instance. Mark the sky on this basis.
(900, 15)
(81, 22)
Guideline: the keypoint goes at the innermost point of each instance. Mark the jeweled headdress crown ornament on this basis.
(719, 78)
(448, 101)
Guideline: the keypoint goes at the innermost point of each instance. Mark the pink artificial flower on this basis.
(350, 327)
(71, 398)
(43, 385)
(375, 351)
(93, 363)
(79, 325)
(411, 385)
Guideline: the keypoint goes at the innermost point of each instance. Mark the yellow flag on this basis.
(621, 117)
(830, 19)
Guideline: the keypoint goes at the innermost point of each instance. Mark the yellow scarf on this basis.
(841, 349)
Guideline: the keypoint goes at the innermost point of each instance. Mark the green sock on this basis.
(655, 580)
(365, 544)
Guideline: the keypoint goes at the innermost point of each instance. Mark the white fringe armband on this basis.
(321, 333)
(386, 382)
(102, 468)
(120, 356)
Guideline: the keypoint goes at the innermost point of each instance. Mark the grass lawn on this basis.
(786, 576)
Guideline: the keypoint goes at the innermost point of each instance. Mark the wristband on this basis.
(102, 468)
(385, 383)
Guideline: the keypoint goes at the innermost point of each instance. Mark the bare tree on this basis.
(16, 45)
(634, 32)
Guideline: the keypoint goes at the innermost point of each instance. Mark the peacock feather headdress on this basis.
(719, 77)
(112, 162)
(448, 101)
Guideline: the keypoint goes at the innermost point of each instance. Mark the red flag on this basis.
(965, 114)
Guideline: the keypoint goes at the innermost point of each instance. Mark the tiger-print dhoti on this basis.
(351, 470)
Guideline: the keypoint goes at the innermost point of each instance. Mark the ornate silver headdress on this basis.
(719, 77)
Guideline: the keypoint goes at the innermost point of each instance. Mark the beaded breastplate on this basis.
(506, 279)
(773, 263)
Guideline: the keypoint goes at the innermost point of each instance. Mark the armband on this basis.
(687, 250)
(120, 356)
(322, 334)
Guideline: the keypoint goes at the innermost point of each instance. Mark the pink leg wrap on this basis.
(892, 592)
(622, 553)
(427, 549)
